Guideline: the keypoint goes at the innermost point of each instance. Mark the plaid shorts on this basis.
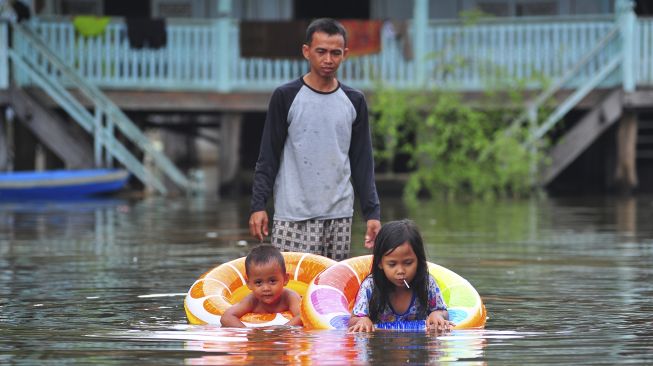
(330, 238)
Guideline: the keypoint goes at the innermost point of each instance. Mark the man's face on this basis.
(325, 53)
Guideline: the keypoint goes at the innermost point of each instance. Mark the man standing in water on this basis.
(316, 142)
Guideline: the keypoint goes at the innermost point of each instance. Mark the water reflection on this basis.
(212, 345)
(564, 281)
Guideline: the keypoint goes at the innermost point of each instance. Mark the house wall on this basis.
(379, 9)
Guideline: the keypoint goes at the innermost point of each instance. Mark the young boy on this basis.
(266, 278)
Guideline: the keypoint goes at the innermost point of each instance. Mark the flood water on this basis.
(565, 281)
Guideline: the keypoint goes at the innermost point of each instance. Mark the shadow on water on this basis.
(564, 281)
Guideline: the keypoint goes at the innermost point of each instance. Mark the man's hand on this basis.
(258, 224)
(373, 227)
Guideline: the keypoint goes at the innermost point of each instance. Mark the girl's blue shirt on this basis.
(362, 304)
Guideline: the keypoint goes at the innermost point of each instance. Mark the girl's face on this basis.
(400, 265)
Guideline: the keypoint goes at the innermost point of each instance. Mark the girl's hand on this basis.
(362, 324)
(437, 321)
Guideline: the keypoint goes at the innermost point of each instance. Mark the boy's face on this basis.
(266, 281)
(400, 265)
(325, 53)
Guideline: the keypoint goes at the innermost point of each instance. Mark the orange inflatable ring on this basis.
(330, 296)
(216, 290)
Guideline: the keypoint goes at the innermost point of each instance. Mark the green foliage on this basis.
(455, 149)
(394, 117)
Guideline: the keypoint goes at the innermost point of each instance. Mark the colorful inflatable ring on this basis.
(216, 290)
(331, 295)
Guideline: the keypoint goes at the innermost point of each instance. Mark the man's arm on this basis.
(373, 227)
(258, 224)
(362, 170)
(267, 166)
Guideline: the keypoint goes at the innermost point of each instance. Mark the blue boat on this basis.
(61, 184)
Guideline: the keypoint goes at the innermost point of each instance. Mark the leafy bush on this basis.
(454, 149)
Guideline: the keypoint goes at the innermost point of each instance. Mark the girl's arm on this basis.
(439, 320)
(360, 320)
(360, 324)
(294, 302)
(231, 317)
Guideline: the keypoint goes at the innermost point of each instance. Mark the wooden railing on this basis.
(39, 65)
(458, 56)
(4, 56)
(644, 52)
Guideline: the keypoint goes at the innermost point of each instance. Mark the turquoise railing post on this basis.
(111, 132)
(97, 132)
(532, 125)
(626, 18)
(4, 56)
(224, 49)
(420, 25)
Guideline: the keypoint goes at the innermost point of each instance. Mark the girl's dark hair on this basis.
(326, 25)
(392, 235)
(263, 254)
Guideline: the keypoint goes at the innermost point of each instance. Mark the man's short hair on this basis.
(263, 254)
(325, 25)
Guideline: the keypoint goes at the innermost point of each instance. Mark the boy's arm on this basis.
(231, 317)
(294, 301)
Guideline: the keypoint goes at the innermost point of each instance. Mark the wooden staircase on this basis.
(645, 140)
(582, 135)
(65, 139)
(36, 63)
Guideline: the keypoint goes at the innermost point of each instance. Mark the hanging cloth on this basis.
(270, 39)
(146, 33)
(363, 36)
(90, 26)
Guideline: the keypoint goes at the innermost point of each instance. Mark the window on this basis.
(498, 9)
(174, 9)
(541, 8)
(80, 7)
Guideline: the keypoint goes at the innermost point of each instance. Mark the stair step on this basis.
(645, 155)
(645, 125)
(644, 139)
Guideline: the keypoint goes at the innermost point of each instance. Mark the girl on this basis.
(399, 287)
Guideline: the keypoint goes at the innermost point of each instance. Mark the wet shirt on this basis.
(362, 304)
(315, 153)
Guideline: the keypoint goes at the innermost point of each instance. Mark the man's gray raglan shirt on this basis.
(313, 143)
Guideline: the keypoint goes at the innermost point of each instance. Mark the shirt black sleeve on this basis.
(272, 141)
(362, 160)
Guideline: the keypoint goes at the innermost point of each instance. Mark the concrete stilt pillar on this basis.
(626, 172)
(229, 154)
(5, 159)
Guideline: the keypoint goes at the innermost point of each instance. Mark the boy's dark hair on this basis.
(263, 254)
(392, 235)
(326, 25)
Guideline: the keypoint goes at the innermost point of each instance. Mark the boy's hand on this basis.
(362, 324)
(436, 321)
